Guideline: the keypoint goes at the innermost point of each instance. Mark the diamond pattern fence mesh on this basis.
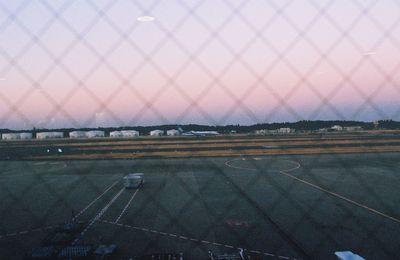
(89, 64)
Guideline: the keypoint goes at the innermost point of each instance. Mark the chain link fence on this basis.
(89, 64)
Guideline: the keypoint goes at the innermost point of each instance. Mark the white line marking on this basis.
(342, 197)
(286, 173)
(191, 239)
(126, 206)
(98, 216)
(96, 199)
(228, 163)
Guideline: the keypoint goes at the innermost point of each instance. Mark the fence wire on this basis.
(88, 64)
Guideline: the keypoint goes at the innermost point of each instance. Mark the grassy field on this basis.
(295, 206)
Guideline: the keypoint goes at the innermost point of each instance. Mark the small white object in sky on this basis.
(369, 53)
(59, 150)
(146, 18)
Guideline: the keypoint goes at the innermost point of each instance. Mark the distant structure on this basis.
(353, 128)
(124, 133)
(49, 135)
(10, 136)
(286, 130)
(157, 133)
(95, 133)
(337, 128)
(115, 134)
(173, 132)
(129, 133)
(77, 134)
(16, 136)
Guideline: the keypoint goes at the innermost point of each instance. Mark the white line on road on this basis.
(98, 216)
(286, 173)
(341, 197)
(191, 239)
(126, 206)
(96, 199)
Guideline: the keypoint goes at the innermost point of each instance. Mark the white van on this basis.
(133, 180)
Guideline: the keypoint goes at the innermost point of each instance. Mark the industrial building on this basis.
(95, 133)
(124, 133)
(285, 130)
(352, 128)
(173, 132)
(77, 134)
(129, 133)
(49, 135)
(337, 128)
(115, 134)
(157, 133)
(10, 136)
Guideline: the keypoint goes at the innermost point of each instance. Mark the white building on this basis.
(353, 128)
(95, 133)
(129, 133)
(77, 134)
(115, 134)
(49, 135)
(157, 133)
(337, 128)
(10, 136)
(265, 132)
(173, 132)
(285, 130)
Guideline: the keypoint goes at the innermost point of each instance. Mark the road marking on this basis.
(286, 173)
(192, 239)
(98, 216)
(24, 232)
(96, 199)
(341, 197)
(228, 163)
(126, 206)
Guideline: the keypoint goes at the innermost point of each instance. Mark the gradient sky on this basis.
(92, 63)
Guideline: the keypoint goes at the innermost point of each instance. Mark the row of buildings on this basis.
(85, 134)
(286, 130)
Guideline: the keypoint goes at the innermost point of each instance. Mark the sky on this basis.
(77, 64)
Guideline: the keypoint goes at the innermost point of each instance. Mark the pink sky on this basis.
(210, 66)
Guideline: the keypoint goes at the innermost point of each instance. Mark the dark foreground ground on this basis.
(303, 207)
